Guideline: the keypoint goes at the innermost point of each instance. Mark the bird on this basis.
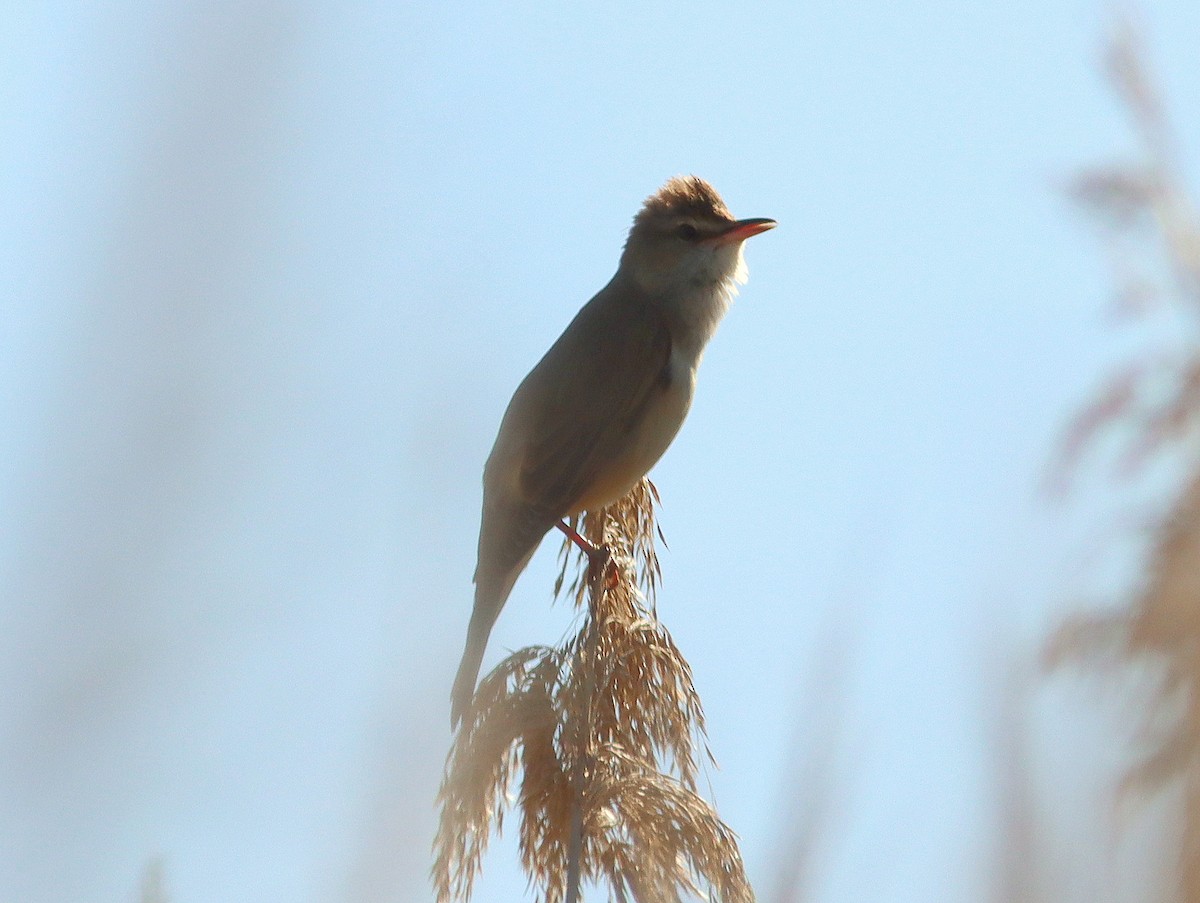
(602, 405)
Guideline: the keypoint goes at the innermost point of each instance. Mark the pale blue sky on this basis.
(273, 271)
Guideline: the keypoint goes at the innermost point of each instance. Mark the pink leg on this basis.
(573, 535)
(598, 556)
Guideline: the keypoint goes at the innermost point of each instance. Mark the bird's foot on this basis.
(600, 559)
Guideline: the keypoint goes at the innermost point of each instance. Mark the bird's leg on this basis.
(586, 546)
(598, 556)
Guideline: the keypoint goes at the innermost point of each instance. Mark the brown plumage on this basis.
(606, 400)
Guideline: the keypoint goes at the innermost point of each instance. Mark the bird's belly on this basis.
(646, 442)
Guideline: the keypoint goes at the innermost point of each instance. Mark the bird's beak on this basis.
(741, 230)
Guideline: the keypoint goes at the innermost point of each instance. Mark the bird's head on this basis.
(684, 238)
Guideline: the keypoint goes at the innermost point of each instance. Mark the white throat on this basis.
(697, 309)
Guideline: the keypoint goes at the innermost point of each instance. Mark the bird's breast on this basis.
(649, 435)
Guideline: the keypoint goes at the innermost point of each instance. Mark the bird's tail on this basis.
(468, 670)
(491, 592)
(507, 542)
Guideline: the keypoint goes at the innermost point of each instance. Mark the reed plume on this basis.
(594, 744)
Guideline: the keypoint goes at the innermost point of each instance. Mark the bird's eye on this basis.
(686, 231)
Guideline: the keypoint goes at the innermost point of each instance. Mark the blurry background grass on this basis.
(1150, 412)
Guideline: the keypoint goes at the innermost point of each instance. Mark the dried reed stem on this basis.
(583, 764)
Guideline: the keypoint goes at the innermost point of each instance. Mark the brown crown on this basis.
(685, 196)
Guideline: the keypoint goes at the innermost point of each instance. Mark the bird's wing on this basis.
(598, 392)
